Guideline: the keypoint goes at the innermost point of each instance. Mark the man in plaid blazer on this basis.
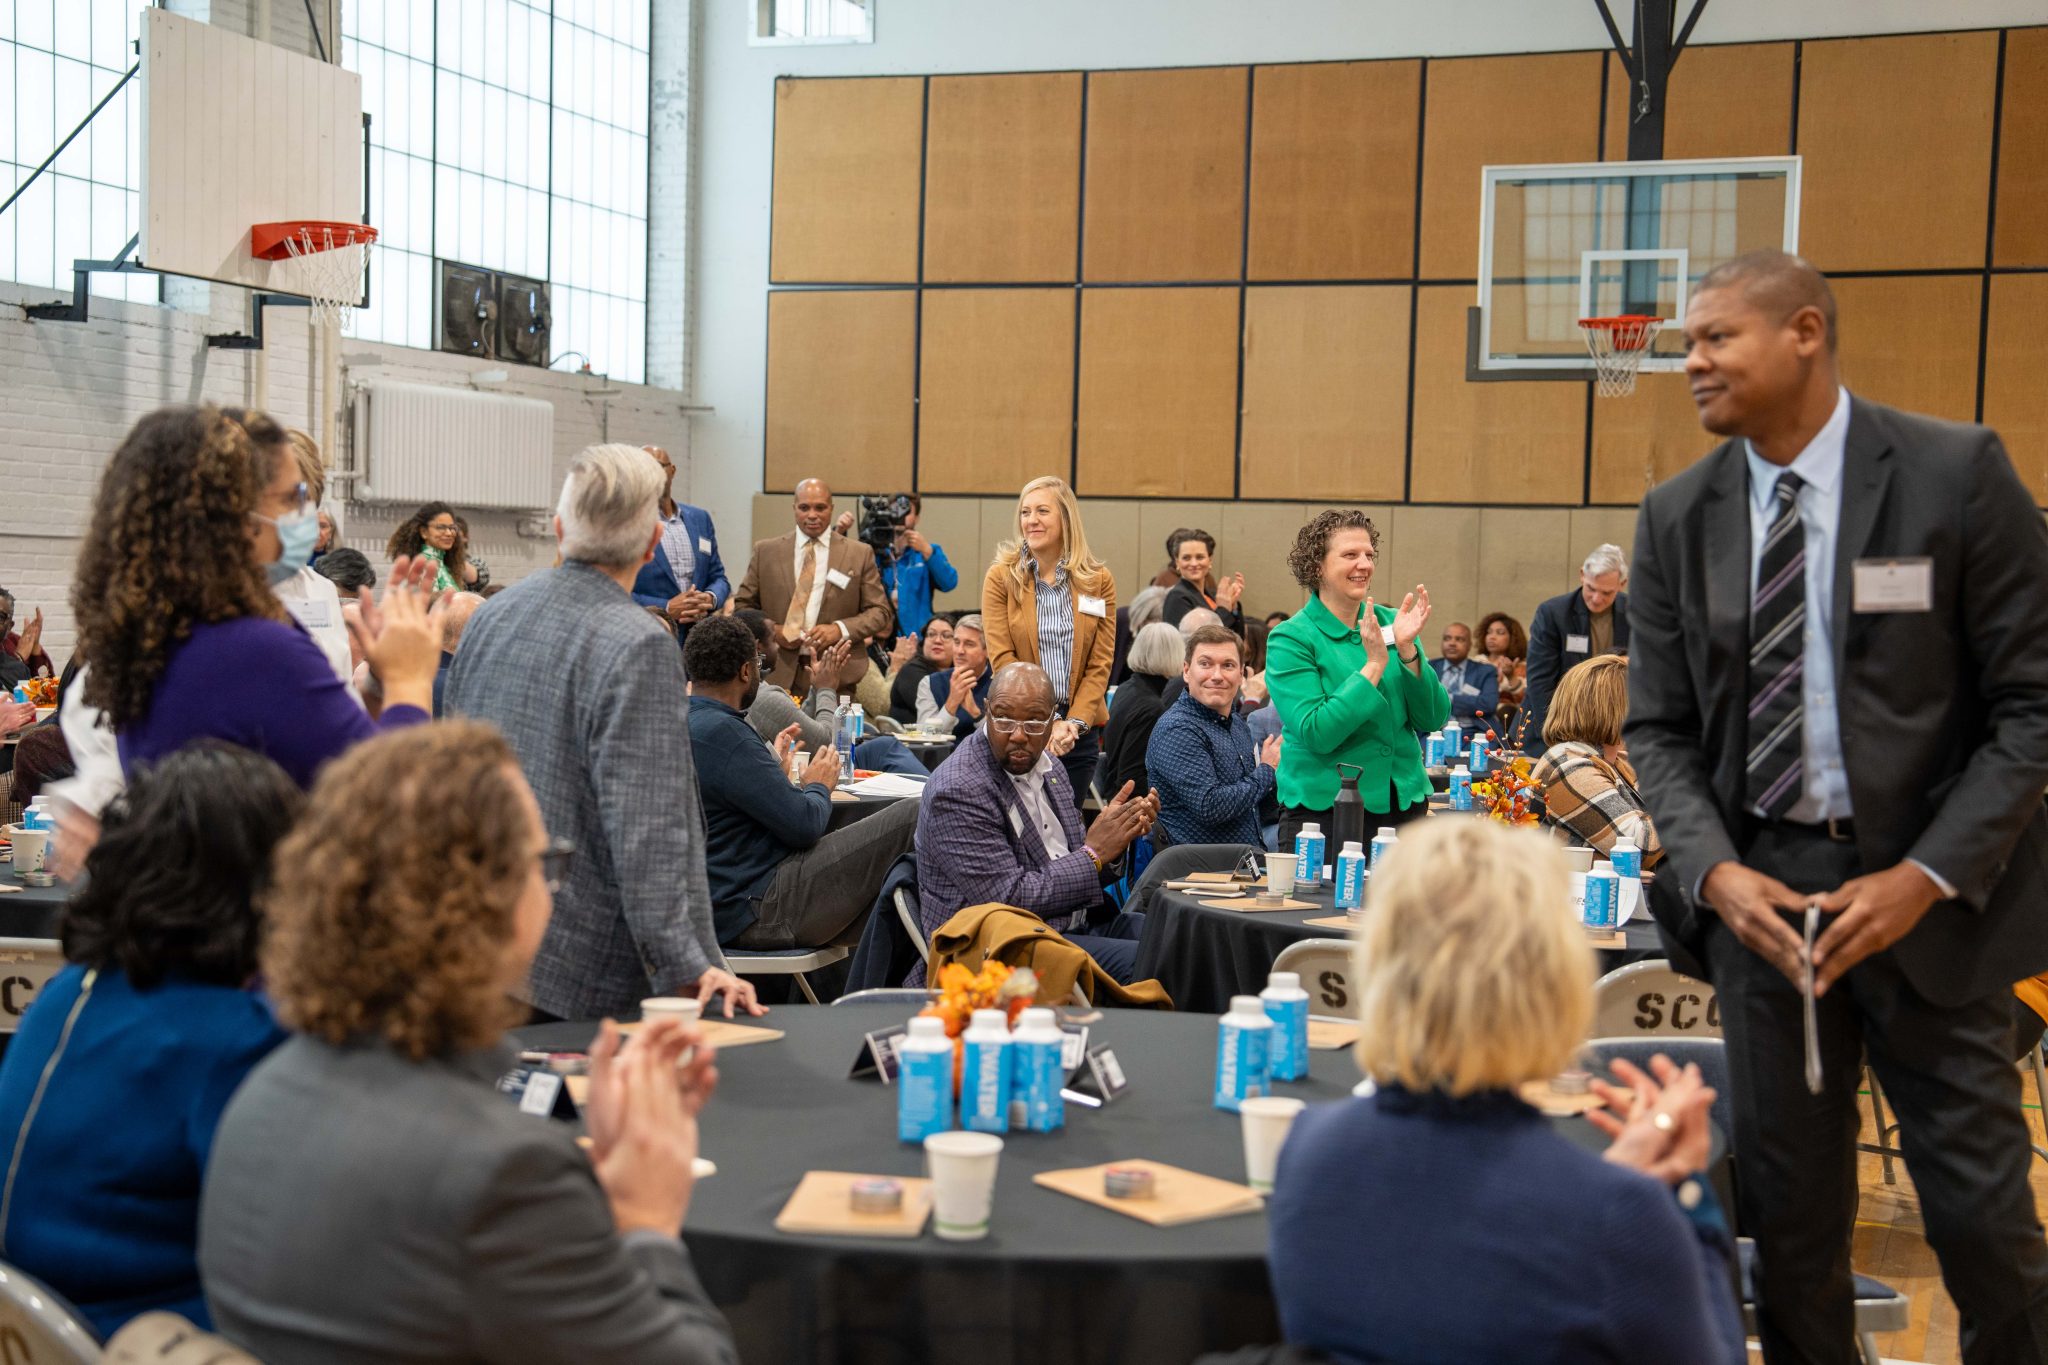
(589, 690)
(999, 824)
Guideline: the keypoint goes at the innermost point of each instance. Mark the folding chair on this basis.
(45, 1325)
(786, 962)
(907, 910)
(886, 995)
(1879, 1307)
(1649, 999)
(1325, 966)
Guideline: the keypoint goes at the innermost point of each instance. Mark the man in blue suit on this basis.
(685, 581)
(1474, 687)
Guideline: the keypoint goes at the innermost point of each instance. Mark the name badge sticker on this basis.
(1467, 690)
(1092, 606)
(1890, 585)
(1578, 644)
(704, 545)
(538, 1092)
(836, 578)
(312, 615)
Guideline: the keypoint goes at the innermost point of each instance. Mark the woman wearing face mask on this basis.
(310, 596)
(197, 516)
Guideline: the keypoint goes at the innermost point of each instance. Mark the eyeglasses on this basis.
(555, 861)
(1004, 725)
(448, 527)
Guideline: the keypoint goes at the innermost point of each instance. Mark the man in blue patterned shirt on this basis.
(1209, 772)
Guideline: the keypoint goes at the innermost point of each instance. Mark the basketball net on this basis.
(1618, 346)
(332, 258)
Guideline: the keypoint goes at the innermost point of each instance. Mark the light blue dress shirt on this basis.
(1824, 794)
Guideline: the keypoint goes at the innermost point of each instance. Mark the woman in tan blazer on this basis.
(1049, 601)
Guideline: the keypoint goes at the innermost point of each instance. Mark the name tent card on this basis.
(878, 1053)
(1102, 1080)
(1073, 1046)
(538, 1092)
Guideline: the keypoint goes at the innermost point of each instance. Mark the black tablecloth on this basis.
(1057, 1280)
(1204, 956)
(31, 911)
(861, 807)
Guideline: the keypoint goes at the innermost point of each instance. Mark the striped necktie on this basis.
(1777, 659)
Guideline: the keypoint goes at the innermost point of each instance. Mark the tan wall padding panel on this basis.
(848, 160)
(1733, 100)
(1325, 391)
(1158, 392)
(2021, 235)
(1166, 174)
(1911, 342)
(996, 404)
(1512, 442)
(841, 387)
(1003, 178)
(1896, 136)
(1646, 437)
(1492, 111)
(1333, 170)
(2015, 396)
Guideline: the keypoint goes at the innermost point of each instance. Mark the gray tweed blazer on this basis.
(590, 692)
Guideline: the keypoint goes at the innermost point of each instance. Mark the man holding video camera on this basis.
(912, 567)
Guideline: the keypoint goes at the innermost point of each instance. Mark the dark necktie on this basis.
(1777, 659)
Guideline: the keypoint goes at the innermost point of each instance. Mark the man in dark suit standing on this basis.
(685, 581)
(1839, 697)
(1570, 629)
(816, 588)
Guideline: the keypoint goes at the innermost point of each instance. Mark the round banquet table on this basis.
(931, 750)
(30, 911)
(1056, 1280)
(1203, 956)
(850, 807)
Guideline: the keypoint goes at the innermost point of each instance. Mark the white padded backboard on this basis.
(237, 132)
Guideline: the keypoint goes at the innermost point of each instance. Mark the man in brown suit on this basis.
(816, 588)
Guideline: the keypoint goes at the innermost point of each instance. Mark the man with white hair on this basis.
(454, 620)
(1589, 620)
(602, 732)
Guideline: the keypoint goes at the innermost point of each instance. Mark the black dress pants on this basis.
(1947, 1072)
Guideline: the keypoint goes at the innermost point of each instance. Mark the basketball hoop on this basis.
(1618, 346)
(335, 256)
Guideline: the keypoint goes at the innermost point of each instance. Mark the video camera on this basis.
(882, 516)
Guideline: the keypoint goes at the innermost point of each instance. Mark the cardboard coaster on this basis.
(843, 797)
(1541, 1096)
(1178, 1196)
(1247, 906)
(1212, 878)
(819, 1207)
(1617, 939)
(1327, 1035)
(1330, 922)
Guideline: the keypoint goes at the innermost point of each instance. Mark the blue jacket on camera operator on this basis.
(914, 572)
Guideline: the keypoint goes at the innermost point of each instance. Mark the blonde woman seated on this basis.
(1589, 789)
(1441, 1218)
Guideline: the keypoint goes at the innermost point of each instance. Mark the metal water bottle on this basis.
(1347, 818)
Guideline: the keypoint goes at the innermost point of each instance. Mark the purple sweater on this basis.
(263, 685)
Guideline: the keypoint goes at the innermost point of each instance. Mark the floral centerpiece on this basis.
(1505, 791)
(962, 992)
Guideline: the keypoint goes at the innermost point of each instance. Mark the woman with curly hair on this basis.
(451, 1226)
(1047, 600)
(1342, 695)
(111, 1090)
(436, 534)
(198, 513)
(1504, 644)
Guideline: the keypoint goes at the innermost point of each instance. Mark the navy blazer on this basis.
(1479, 703)
(1556, 625)
(657, 582)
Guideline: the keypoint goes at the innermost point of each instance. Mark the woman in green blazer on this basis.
(1340, 696)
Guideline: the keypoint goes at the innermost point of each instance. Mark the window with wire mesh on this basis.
(58, 59)
(512, 135)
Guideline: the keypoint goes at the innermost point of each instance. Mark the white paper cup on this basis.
(963, 1171)
(31, 848)
(670, 1007)
(1266, 1119)
(1280, 873)
(1579, 859)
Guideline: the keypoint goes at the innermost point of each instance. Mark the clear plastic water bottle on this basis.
(848, 729)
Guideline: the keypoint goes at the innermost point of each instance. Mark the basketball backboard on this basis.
(236, 132)
(1558, 243)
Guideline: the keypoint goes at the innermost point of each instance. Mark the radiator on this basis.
(418, 443)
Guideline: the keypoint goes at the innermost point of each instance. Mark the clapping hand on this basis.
(1229, 589)
(843, 524)
(642, 1110)
(830, 664)
(16, 715)
(1410, 619)
(824, 767)
(399, 632)
(823, 636)
(1269, 752)
(1375, 642)
(31, 641)
(785, 742)
(1122, 822)
(903, 653)
(1658, 1129)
